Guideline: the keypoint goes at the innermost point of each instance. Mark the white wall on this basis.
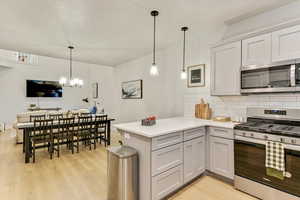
(13, 85)
(164, 95)
(161, 96)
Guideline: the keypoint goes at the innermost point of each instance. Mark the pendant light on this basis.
(154, 70)
(183, 72)
(73, 82)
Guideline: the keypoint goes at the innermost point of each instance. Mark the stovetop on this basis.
(271, 126)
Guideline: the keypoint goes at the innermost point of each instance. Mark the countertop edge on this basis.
(228, 125)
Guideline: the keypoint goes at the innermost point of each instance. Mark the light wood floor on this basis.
(79, 176)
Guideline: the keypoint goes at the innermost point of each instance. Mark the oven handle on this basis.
(250, 140)
(263, 142)
(261, 146)
(293, 75)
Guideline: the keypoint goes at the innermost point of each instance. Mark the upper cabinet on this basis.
(285, 44)
(225, 71)
(256, 51)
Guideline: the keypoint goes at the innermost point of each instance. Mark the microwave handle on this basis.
(293, 75)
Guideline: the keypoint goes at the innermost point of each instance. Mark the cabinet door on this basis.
(199, 155)
(194, 158)
(222, 157)
(256, 51)
(285, 44)
(225, 71)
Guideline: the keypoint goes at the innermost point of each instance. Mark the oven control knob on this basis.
(281, 139)
(266, 137)
(293, 141)
(244, 134)
(252, 135)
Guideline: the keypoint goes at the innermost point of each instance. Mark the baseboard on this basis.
(219, 177)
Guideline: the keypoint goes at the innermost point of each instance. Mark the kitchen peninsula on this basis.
(177, 150)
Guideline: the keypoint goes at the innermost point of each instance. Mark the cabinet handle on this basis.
(220, 130)
(168, 137)
(293, 75)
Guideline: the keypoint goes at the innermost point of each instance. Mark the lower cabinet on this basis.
(222, 156)
(175, 162)
(166, 182)
(194, 158)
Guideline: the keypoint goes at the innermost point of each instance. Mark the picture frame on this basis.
(132, 89)
(196, 76)
(95, 89)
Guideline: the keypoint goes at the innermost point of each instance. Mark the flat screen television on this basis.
(38, 88)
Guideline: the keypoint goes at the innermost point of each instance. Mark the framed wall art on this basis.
(196, 75)
(132, 89)
(95, 88)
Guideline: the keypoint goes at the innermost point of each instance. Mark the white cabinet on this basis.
(166, 183)
(256, 51)
(194, 158)
(225, 69)
(285, 44)
(222, 156)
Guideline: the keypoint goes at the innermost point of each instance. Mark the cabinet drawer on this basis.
(166, 140)
(221, 132)
(167, 182)
(166, 158)
(193, 133)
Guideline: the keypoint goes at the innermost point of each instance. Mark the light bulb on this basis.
(154, 70)
(62, 80)
(183, 75)
(72, 82)
(80, 82)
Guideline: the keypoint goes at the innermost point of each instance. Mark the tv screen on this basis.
(37, 88)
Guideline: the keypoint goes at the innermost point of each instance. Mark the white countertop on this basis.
(170, 125)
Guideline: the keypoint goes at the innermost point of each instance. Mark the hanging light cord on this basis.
(71, 61)
(184, 29)
(183, 60)
(154, 41)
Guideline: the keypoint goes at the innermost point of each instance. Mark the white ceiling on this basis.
(110, 32)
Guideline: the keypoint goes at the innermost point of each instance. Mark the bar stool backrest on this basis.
(42, 128)
(100, 121)
(66, 126)
(32, 118)
(85, 114)
(56, 116)
(85, 123)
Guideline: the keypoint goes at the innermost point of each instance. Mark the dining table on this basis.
(27, 128)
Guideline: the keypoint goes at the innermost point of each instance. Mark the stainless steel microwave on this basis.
(284, 78)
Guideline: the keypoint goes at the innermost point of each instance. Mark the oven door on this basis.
(270, 79)
(250, 157)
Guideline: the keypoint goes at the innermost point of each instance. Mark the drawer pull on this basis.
(220, 130)
(171, 150)
(169, 137)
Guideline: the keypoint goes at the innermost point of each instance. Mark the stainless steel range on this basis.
(280, 125)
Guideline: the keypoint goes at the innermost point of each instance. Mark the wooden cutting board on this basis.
(207, 112)
(202, 110)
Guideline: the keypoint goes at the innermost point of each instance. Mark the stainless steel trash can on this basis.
(122, 173)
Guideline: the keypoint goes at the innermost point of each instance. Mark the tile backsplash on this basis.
(235, 106)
